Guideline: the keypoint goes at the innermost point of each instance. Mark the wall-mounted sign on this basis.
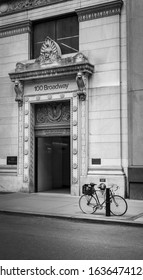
(96, 160)
(51, 86)
(11, 160)
(44, 87)
(102, 180)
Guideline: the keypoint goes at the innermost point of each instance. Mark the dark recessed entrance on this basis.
(53, 164)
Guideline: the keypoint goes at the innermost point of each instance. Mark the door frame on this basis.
(29, 133)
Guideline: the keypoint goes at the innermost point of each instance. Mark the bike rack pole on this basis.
(107, 201)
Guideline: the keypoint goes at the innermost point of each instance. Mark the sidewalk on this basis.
(65, 206)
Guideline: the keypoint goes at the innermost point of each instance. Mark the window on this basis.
(65, 31)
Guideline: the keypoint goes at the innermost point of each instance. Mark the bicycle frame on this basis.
(97, 198)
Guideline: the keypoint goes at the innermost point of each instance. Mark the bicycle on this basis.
(89, 202)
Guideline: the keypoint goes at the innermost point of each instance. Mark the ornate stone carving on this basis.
(32, 147)
(13, 6)
(25, 179)
(74, 108)
(26, 139)
(19, 90)
(26, 99)
(37, 97)
(74, 137)
(25, 165)
(20, 66)
(74, 123)
(75, 165)
(62, 95)
(52, 113)
(50, 55)
(26, 152)
(75, 180)
(80, 79)
(80, 57)
(75, 151)
(50, 52)
(3, 8)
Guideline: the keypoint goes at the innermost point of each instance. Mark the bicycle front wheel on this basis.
(87, 204)
(118, 205)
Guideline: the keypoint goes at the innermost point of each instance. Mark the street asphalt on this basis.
(66, 207)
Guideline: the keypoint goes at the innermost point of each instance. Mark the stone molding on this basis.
(8, 170)
(15, 29)
(31, 131)
(86, 68)
(67, 69)
(15, 6)
(98, 11)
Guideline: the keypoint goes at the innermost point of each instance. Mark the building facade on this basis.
(71, 95)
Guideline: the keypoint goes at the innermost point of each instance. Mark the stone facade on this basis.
(98, 108)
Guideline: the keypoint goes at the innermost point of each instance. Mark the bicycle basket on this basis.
(87, 189)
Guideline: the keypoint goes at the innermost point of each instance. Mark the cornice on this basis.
(14, 6)
(52, 72)
(15, 29)
(99, 11)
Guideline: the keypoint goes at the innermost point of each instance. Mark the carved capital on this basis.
(19, 90)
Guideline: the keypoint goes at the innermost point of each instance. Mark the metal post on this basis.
(107, 202)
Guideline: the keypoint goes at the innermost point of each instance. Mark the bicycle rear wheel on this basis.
(118, 205)
(87, 204)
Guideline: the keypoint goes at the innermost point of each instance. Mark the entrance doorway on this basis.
(53, 164)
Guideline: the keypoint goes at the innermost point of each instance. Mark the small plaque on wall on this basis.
(103, 180)
(12, 160)
(96, 160)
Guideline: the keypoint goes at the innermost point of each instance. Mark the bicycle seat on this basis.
(102, 187)
(92, 184)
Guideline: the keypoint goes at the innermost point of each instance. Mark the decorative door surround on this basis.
(51, 72)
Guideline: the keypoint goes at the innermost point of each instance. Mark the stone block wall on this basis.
(103, 41)
(13, 47)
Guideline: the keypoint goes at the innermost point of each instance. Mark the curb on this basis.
(75, 218)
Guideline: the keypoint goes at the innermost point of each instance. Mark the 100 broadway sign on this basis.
(51, 87)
